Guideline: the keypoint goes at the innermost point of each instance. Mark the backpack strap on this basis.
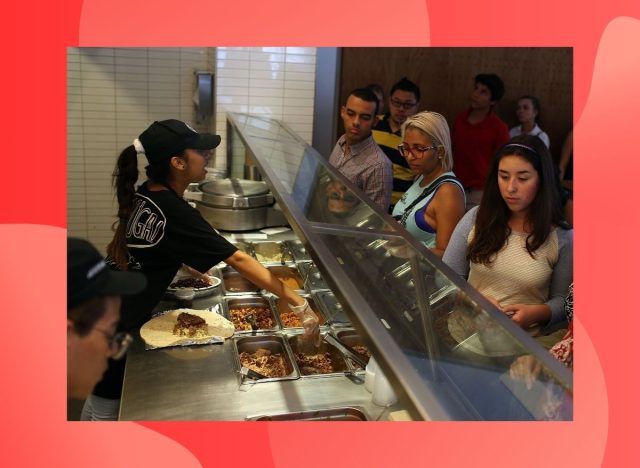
(428, 190)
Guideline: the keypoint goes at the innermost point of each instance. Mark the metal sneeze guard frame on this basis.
(428, 389)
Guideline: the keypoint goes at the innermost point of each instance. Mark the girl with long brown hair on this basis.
(516, 248)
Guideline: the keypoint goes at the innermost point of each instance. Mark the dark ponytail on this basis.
(125, 176)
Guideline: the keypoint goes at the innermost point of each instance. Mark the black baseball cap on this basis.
(166, 138)
(88, 276)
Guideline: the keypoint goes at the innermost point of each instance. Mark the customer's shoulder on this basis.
(565, 236)
(469, 219)
(381, 158)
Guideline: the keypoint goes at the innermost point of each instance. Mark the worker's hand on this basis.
(309, 321)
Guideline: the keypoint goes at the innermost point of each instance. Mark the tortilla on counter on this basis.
(158, 332)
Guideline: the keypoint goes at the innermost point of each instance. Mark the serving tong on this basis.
(345, 348)
(250, 373)
(251, 318)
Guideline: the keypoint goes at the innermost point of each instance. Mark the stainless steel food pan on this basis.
(273, 343)
(233, 283)
(285, 321)
(298, 344)
(352, 339)
(238, 308)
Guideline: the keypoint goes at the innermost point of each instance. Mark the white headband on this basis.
(138, 146)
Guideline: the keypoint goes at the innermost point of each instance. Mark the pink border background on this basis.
(605, 37)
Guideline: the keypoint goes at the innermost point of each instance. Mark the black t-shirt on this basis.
(163, 232)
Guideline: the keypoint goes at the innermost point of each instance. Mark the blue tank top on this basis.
(415, 223)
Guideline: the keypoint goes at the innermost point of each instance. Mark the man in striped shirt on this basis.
(404, 99)
(356, 155)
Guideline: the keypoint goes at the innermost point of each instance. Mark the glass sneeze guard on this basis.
(447, 349)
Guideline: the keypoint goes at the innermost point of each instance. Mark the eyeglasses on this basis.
(118, 342)
(415, 151)
(405, 105)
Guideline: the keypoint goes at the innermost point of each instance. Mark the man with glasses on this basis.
(477, 134)
(356, 154)
(93, 312)
(403, 103)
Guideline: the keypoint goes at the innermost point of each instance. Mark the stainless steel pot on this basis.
(235, 204)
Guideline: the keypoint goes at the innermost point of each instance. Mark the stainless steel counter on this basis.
(202, 383)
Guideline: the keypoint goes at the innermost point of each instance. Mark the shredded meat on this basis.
(189, 325)
(264, 362)
(362, 351)
(289, 319)
(264, 317)
(315, 363)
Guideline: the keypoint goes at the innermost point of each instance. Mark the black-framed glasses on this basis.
(405, 105)
(118, 342)
(415, 151)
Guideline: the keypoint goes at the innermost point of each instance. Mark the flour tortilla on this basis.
(158, 332)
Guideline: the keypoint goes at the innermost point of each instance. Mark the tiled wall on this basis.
(274, 81)
(113, 94)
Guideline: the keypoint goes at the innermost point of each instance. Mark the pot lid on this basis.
(235, 193)
(234, 187)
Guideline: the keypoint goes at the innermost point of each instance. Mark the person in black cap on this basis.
(158, 231)
(93, 310)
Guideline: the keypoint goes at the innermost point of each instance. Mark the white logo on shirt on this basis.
(146, 224)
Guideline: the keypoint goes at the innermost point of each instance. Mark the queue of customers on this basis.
(485, 199)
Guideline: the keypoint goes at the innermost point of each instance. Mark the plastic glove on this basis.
(309, 320)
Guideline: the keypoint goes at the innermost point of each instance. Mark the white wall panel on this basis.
(112, 95)
(271, 73)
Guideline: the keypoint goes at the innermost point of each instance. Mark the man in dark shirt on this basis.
(477, 134)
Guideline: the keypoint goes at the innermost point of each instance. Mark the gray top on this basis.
(561, 275)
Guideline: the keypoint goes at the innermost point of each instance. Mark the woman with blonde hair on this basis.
(434, 204)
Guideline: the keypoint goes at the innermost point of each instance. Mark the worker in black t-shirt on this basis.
(158, 232)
